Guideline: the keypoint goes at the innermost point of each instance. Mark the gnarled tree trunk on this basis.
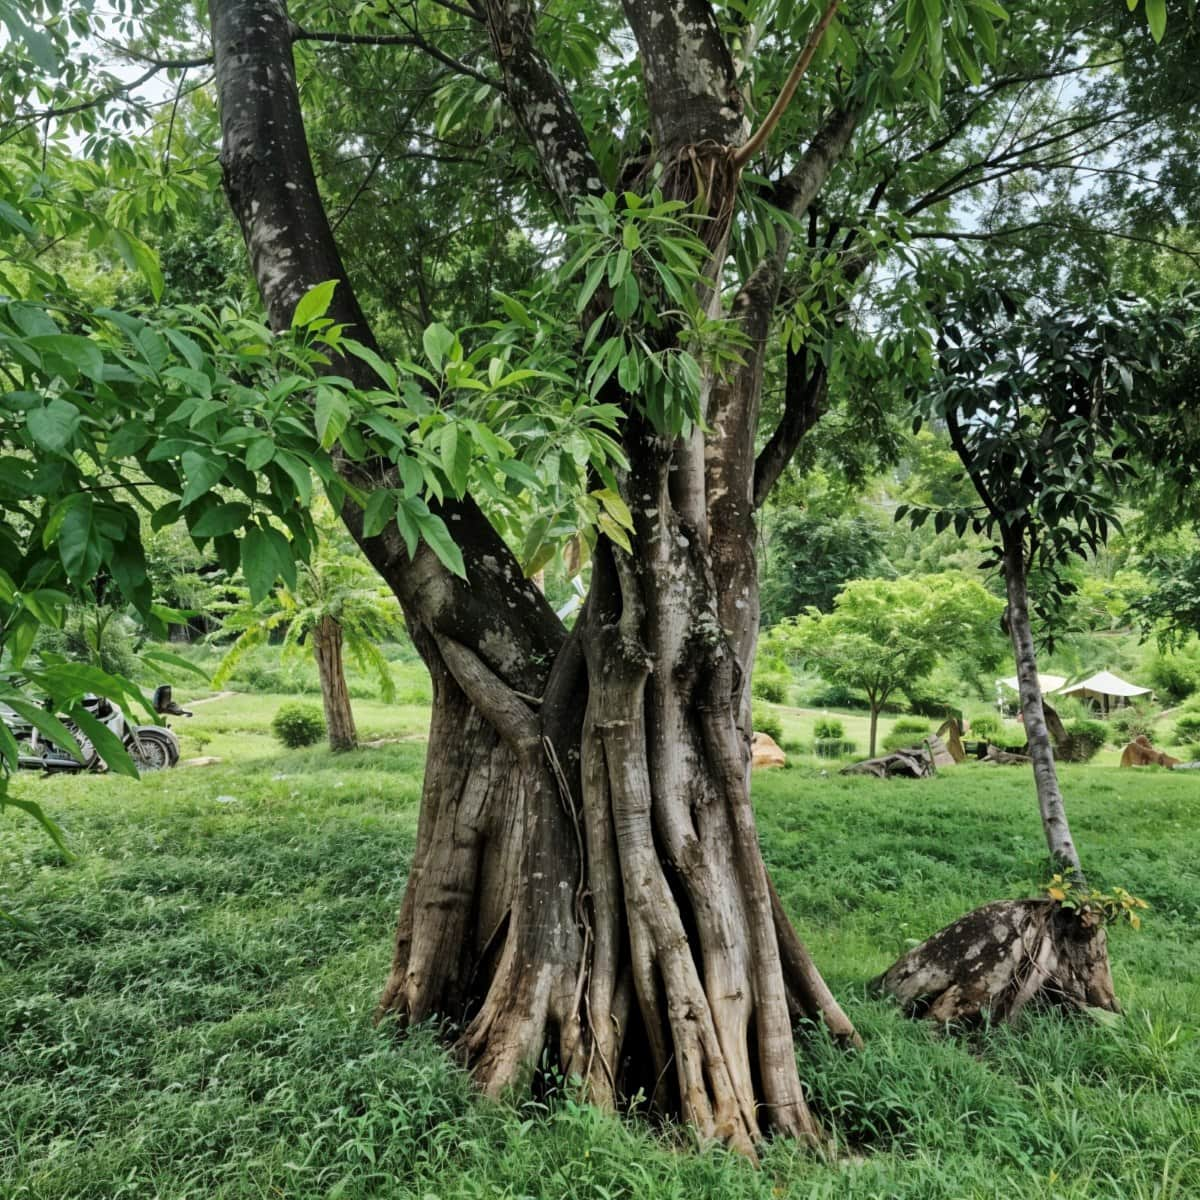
(326, 637)
(587, 884)
(999, 958)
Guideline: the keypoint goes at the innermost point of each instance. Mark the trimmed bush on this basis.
(1132, 721)
(1187, 729)
(297, 725)
(770, 687)
(1084, 740)
(987, 726)
(834, 747)
(765, 721)
(829, 727)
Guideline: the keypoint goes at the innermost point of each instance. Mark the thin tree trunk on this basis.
(1050, 800)
(327, 639)
(874, 729)
(997, 960)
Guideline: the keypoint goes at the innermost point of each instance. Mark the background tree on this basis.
(884, 635)
(338, 605)
(1046, 409)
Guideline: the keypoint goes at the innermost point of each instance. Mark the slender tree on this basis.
(1046, 410)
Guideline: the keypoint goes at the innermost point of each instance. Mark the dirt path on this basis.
(209, 699)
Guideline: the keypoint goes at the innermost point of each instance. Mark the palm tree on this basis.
(338, 605)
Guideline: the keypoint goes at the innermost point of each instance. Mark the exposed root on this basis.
(998, 959)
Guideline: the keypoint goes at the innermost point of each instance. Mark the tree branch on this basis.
(764, 131)
(413, 39)
(541, 104)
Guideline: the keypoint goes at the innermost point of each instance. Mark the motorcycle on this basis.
(152, 747)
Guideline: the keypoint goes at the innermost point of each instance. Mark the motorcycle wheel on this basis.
(154, 749)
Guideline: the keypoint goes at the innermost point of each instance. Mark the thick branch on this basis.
(541, 104)
(691, 82)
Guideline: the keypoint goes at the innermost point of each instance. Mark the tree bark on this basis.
(587, 889)
(1049, 794)
(326, 638)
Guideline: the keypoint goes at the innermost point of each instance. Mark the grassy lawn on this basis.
(191, 1017)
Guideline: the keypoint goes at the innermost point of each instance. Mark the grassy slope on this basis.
(192, 1018)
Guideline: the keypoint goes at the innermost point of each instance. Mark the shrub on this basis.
(765, 721)
(1132, 721)
(987, 726)
(297, 725)
(834, 747)
(829, 727)
(834, 695)
(1175, 676)
(911, 725)
(1187, 729)
(770, 687)
(1084, 739)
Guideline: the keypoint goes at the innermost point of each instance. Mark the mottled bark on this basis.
(326, 637)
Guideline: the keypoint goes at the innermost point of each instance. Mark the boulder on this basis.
(765, 752)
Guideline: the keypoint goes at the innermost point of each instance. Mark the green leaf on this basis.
(258, 453)
(258, 564)
(384, 370)
(221, 519)
(437, 340)
(35, 811)
(76, 541)
(107, 744)
(437, 537)
(378, 512)
(314, 304)
(47, 724)
(332, 414)
(78, 351)
(54, 425)
(139, 257)
(203, 470)
(1156, 18)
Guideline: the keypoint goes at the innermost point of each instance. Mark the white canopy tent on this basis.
(1105, 690)
(1048, 683)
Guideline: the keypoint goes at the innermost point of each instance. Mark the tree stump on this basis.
(998, 959)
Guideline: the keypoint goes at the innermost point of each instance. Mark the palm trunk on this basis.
(339, 717)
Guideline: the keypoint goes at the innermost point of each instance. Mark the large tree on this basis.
(587, 881)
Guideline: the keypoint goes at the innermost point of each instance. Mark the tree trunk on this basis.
(1050, 800)
(871, 737)
(999, 958)
(326, 638)
(587, 890)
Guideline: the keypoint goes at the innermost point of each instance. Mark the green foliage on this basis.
(834, 747)
(1187, 729)
(772, 687)
(1086, 739)
(1116, 904)
(766, 721)
(907, 731)
(1131, 721)
(828, 727)
(985, 726)
(883, 635)
(297, 725)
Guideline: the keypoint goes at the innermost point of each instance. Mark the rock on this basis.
(207, 760)
(765, 752)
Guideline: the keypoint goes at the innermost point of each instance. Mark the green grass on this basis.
(191, 1017)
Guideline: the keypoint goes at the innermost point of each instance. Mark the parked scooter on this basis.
(152, 747)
